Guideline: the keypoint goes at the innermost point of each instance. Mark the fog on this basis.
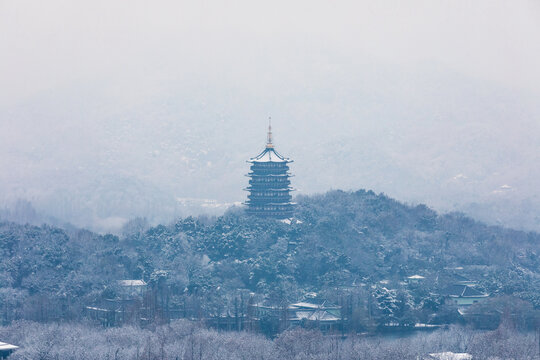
(111, 110)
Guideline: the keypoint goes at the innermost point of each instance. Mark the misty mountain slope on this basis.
(93, 156)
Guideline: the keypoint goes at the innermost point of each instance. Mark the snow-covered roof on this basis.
(291, 221)
(469, 291)
(131, 283)
(305, 305)
(322, 315)
(303, 314)
(270, 154)
(6, 346)
(450, 356)
(313, 304)
(463, 291)
(317, 315)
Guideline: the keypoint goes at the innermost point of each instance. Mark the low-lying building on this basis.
(125, 306)
(310, 313)
(464, 295)
(128, 289)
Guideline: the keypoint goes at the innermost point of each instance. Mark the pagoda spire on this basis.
(269, 138)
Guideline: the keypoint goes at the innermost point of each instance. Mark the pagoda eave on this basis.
(265, 189)
(269, 175)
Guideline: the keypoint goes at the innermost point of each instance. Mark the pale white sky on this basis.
(51, 44)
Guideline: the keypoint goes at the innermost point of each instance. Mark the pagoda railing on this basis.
(265, 180)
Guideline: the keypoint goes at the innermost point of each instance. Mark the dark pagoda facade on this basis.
(269, 185)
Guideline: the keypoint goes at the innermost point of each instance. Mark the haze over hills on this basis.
(161, 126)
(182, 156)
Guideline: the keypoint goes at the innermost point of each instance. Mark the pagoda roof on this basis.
(252, 174)
(269, 154)
(288, 188)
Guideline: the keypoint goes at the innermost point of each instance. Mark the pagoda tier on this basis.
(269, 184)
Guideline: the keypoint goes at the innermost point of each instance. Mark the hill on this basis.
(360, 245)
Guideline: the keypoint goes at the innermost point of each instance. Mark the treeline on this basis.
(352, 248)
(188, 341)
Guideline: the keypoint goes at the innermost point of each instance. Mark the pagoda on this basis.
(269, 185)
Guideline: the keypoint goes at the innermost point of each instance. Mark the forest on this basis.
(186, 340)
(352, 249)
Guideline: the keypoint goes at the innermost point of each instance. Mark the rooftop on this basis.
(317, 315)
(463, 291)
(450, 356)
(270, 155)
(131, 283)
(6, 346)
